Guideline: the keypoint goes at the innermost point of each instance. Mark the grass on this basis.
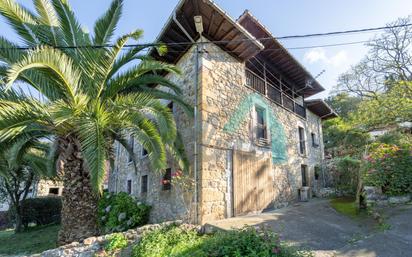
(347, 206)
(35, 240)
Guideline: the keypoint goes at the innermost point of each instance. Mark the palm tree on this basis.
(21, 164)
(91, 96)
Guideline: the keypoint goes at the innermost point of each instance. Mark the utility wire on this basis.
(148, 45)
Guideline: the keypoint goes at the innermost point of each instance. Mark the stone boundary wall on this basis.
(375, 197)
(94, 246)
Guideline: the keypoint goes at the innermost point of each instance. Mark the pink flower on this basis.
(276, 250)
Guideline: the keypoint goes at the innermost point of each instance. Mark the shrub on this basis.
(115, 242)
(389, 167)
(119, 212)
(168, 241)
(181, 242)
(347, 175)
(41, 211)
(4, 220)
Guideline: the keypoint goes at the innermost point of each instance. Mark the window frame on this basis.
(302, 140)
(261, 127)
(314, 143)
(144, 185)
(304, 175)
(129, 187)
(131, 145)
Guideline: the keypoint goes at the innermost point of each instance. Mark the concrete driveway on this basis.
(315, 225)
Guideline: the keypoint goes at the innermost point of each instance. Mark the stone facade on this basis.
(48, 187)
(226, 123)
(176, 203)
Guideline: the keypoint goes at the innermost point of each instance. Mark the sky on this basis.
(282, 18)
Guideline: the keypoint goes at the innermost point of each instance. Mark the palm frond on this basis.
(9, 52)
(145, 104)
(105, 25)
(133, 84)
(146, 133)
(160, 94)
(72, 31)
(15, 117)
(107, 61)
(126, 58)
(48, 20)
(20, 148)
(20, 19)
(59, 65)
(52, 157)
(94, 148)
(177, 150)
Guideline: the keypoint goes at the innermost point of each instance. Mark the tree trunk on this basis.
(19, 222)
(79, 209)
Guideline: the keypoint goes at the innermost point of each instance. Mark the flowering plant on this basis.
(389, 167)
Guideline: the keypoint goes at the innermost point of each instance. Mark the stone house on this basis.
(255, 139)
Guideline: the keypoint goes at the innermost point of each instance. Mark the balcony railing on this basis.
(273, 93)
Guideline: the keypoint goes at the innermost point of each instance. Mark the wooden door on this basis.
(252, 182)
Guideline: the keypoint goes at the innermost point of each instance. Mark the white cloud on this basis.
(319, 55)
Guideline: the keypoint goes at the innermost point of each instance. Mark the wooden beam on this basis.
(219, 27)
(228, 34)
(179, 37)
(187, 26)
(196, 5)
(212, 19)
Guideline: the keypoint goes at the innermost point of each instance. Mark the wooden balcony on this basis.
(274, 93)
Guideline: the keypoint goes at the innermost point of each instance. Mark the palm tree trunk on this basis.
(79, 209)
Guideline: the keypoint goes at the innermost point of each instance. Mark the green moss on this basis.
(36, 240)
(347, 206)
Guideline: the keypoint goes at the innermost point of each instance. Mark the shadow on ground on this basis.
(317, 226)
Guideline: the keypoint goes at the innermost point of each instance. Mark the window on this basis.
(144, 152)
(302, 149)
(314, 143)
(304, 176)
(167, 179)
(131, 144)
(261, 129)
(144, 184)
(170, 106)
(129, 186)
(54, 191)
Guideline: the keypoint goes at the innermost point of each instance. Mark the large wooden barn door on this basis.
(252, 182)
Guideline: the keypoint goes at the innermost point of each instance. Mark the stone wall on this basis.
(373, 196)
(226, 122)
(223, 95)
(43, 187)
(94, 246)
(176, 203)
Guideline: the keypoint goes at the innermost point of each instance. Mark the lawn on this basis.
(33, 241)
(347, 206)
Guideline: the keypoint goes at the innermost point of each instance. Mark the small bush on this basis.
(180, 242)
(4, 220)
(41, 211)
(389, 167)
(115, 242)
(119, 212)
(168, 241)
(347, 175)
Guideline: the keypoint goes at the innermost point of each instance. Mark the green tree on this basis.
(22, 164)
(343, 104)
(92, 97)
(392, 107)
